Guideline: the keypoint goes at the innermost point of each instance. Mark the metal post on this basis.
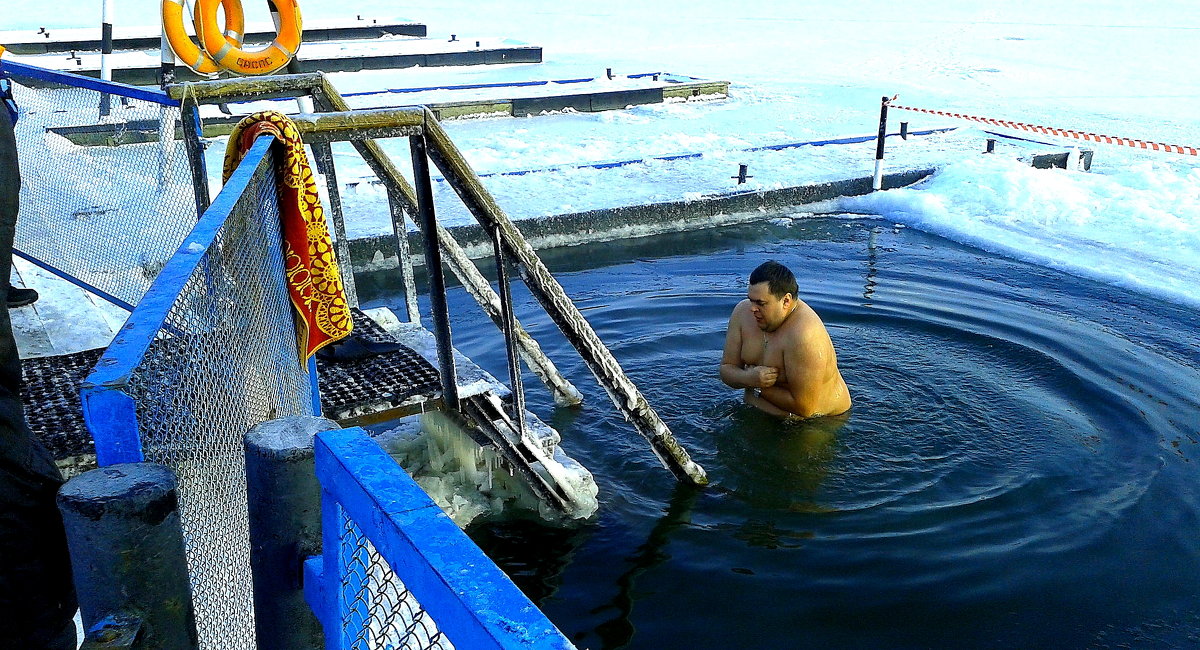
(877, 181)
(166, 65)
(404, 255)
(433, 267)
(991, 146)
(314, 385)
(323, 153)
(510, 338)
(166, 124)
(904, 130)
(106, 26)
(285, 528)
(741, 175)
(192, 132)
(126, 542)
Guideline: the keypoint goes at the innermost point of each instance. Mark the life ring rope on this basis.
(220, 46)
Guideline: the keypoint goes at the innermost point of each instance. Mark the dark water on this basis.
(1019, 469)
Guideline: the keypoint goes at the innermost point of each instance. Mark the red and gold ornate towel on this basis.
(314, 284)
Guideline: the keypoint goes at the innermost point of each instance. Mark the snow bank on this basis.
(1136, 226)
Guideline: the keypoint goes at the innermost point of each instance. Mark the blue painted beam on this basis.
(473, 603)
(72, 279)
(53, 76)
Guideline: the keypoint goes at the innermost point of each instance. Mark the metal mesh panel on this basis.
(224, 361)
(108, 215)
(380, 610)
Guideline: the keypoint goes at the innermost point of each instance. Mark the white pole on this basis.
(106, 40)
(106, 45)
(877, 180)
(166, 116)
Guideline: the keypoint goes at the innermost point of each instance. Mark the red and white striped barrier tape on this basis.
(1064, 133)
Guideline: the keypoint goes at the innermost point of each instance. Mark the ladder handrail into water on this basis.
(628, 399)
(339, 121)
(390, 122)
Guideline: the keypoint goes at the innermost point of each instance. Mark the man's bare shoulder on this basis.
(741, 312)
(805, 326)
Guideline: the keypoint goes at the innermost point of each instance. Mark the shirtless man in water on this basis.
(777, 349)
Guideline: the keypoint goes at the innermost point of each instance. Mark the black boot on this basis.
(19, 297)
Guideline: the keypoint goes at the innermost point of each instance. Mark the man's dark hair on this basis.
(778, 277)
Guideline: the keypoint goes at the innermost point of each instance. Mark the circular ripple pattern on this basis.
(1017, 470)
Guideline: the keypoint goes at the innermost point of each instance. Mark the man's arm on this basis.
(755, 399)
(733, 371)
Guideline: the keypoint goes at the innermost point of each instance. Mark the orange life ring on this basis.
(193, 56)
(231, 57)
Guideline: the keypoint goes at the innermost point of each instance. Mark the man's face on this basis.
(768, 311)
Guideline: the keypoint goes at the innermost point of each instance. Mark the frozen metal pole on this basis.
(285, 529)
(433, 269)
(106, 41)
(166, 65)
(877, 181)
(126, 542)
(166, 122)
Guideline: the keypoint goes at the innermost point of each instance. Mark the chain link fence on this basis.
(393, 563)
(107, 193)
(209, 353)
(380, 611)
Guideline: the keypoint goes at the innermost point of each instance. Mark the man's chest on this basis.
(762, 349)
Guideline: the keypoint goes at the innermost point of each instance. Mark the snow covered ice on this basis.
(805, 71)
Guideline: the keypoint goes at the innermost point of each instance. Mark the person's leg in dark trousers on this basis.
(37, 597)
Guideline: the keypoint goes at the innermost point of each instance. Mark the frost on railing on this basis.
(209, 353)
(396, 572)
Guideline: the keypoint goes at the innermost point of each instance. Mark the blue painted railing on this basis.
(15, 68)
(366, 495)
(108, 409)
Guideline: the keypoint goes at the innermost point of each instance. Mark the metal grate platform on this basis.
(50, 393)
(51, 389)
(379, 383)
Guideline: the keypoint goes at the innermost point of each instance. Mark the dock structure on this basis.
(143, 67)
(209, 346)
(520, 99)
(83, 39)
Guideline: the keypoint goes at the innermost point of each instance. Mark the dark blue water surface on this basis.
(1019, 469)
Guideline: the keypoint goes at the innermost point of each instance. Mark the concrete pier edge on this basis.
(377, 252)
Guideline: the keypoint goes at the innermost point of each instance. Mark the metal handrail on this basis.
(419, 124)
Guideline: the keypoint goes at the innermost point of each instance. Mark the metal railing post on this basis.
(509, 329)
(404, 255)
(189, 114)
(323, 154)
(877, 178)
(433, 267)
